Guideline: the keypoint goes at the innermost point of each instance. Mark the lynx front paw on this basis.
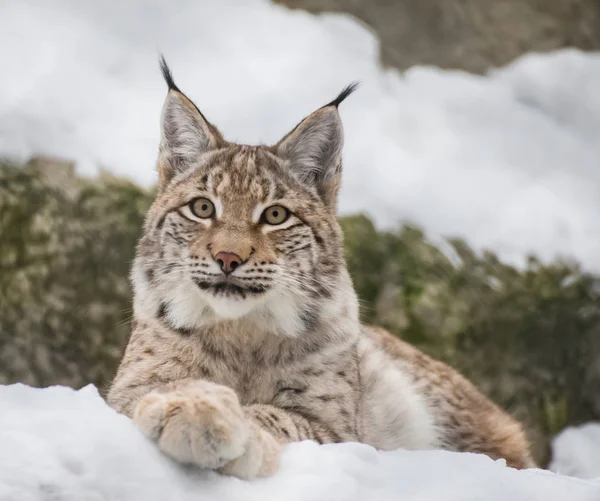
(195, 422)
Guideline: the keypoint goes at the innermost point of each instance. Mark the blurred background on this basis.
(471, 195)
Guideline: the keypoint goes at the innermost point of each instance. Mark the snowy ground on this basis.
(62, 445)
(511, 161)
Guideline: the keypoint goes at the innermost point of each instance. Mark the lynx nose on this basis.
(228, 261)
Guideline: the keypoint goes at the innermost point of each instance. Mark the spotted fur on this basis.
(222, 369)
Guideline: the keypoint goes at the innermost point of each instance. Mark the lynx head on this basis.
(242, 231)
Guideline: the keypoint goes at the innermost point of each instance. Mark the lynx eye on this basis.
(276, 214)
(202, 208)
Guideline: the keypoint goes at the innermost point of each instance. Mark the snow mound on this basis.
(61, 444)
(576, 451)
(509, 160)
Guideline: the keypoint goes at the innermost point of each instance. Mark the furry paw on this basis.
(195, 422)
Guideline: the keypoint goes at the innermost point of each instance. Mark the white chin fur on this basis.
(229, 308)
(191, 307)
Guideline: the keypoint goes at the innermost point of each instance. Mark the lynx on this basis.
(246, 334)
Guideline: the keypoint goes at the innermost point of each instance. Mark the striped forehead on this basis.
(242, 177)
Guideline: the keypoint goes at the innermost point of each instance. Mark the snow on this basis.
(510, 160)
(576, 451)
(67, 445)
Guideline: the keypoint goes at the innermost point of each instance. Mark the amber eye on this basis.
(202, 208)
(276, 214)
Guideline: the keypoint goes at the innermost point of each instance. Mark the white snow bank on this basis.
(61, 444)
(576, 451)
(511, 161)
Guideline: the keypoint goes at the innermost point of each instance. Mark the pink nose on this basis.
(228, 261)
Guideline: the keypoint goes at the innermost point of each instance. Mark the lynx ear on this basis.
(314, 149)
(185, 133)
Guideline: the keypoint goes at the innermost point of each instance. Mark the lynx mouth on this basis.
(229, 288)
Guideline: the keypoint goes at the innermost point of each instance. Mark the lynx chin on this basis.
(246, 333)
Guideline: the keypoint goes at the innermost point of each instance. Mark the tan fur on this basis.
(222, 370)
(472, 422)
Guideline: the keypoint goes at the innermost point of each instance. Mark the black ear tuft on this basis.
(166, 72)
(344, 94)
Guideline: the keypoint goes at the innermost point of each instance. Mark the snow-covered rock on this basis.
(510, 161)
(576, 451)
(64, 445)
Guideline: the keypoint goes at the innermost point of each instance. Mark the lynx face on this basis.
(242, 233)
(241, 230)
